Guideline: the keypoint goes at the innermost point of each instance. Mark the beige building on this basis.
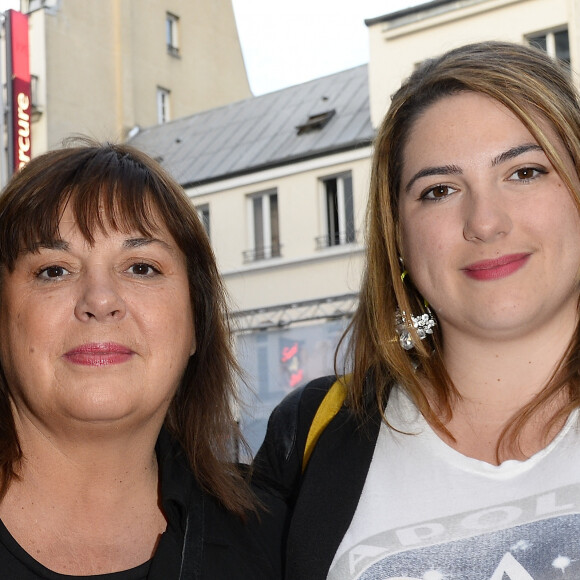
(400, 40)
(105, 68)
(281, 181)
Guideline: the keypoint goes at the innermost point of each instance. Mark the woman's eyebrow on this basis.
(428, 171)
(50, 245)
(139, 242)
(515, 152)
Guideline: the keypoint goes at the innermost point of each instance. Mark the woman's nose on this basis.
(99, 299)
(486, 217)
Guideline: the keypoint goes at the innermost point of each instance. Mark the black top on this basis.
(309, 513)
(219, 546)
(17, 564)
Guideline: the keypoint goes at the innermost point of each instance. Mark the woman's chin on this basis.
(104, 411)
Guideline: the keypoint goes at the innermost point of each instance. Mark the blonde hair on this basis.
(534, 87)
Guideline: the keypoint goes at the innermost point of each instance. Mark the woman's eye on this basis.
(526, 174)
(143, 270)
(438, 192)
(52, 273)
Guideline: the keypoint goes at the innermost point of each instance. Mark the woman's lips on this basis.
(497, 268)
(98, 354)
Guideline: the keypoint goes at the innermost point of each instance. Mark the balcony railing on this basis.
(173, 50)
(337, 239)
(263, 253)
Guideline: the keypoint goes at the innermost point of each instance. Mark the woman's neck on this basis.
(495, 380)
(505, 372)
(103, 457)
(98, 493)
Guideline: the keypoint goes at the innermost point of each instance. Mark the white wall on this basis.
(302, 272)
(396, 47)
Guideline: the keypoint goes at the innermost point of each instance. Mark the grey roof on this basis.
(261, 132)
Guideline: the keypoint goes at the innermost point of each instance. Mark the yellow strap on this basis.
(328, 408)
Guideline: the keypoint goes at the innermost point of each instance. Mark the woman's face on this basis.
(97, 334)
(490, 233)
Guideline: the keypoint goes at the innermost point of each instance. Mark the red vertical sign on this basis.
(20, 95)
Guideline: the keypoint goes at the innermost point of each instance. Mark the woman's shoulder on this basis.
(278, 463)
(295, 413)
(216, 542)
(303, 399)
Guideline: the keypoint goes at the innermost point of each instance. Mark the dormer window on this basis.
(315, 122)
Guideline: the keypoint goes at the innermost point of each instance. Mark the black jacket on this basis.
(310, 512)
(203, 540)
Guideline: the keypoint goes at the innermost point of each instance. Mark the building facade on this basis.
(281, 183)
(107, 68)
(401, 40)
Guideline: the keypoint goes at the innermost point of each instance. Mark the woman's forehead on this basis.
(478, 120)
(112, 214)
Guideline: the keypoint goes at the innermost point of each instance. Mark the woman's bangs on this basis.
(96, 203)
(122, 206)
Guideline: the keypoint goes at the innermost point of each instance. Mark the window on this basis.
(555, 43)
(33, 5)
(203, 213)
(171, 33)
(315, 122)
(34, 91)
(35, 108)
(163, 109)
(263, 222)
(338, 212)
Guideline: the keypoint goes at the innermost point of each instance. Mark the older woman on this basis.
(117, 377)
(456, 453)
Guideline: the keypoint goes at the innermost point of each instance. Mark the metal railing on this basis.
(337, 239)
(263, 253)
(173, 50)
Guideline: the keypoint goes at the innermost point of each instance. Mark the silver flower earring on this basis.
(423, 323)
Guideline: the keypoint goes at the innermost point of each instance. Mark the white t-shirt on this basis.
(427, 512)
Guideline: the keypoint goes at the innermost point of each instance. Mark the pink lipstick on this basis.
(497, 268)
(99, 354)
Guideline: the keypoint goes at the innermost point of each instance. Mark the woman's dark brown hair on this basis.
(537, 90)
(107, 185)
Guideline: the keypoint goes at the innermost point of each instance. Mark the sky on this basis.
(286, 43)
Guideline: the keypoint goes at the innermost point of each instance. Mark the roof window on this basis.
(315, 122)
